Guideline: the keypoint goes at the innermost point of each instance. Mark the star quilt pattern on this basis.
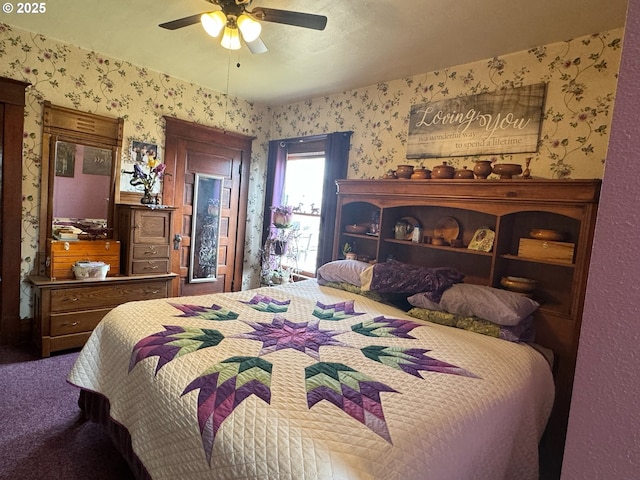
(309, 382)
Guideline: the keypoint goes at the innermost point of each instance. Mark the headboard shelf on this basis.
(507, 210)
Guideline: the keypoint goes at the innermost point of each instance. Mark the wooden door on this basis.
(194, 149)
(12, 100)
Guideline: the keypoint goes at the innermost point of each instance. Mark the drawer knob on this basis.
(153, 292)
(151, 266)
(72, 324)
(73, 299)
(152, 250)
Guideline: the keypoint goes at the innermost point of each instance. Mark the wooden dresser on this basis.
(68, 310)
(145, 237)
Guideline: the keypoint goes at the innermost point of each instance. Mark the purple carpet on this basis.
(43, 434)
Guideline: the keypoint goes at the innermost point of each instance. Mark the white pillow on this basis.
(420, 300)
(347, 271)
(493, 304)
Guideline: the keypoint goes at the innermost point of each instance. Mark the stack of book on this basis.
(66, 234)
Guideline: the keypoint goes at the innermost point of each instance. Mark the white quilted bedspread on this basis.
(308, 382)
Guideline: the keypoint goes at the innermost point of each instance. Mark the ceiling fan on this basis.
(235, 20)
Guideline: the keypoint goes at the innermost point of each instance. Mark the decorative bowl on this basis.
(404, 171)
(84, 270)
(464, 173)
(443, 171)
(518, 284)
(355, 228)
(507, 170)
(420, 174)
(549, 235)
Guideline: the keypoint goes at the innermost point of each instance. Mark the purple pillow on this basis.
(398, 277)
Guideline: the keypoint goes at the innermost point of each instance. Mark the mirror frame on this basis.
(72, 126)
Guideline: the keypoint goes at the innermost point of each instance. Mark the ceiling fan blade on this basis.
(182, 22)
(298, 19)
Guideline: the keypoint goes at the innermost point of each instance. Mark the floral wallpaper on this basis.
(88, 81)
(581, 75)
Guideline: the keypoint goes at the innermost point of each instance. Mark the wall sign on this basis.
(505, 121)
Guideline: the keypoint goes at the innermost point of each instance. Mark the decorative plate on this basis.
(447, 228)
(482, 240)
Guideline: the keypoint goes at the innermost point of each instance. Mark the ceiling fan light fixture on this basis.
(249, 28)
(230, 39)
(213, 22)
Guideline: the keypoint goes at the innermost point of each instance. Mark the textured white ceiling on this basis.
(365, 42)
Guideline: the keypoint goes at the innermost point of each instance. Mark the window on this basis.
(329, 156)
(303, 185)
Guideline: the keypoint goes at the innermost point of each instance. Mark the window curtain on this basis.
(336, 151)
(274, 189)
(335, 167)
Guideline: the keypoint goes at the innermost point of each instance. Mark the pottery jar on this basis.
(464, 173)
(404, 171)
(420, 173)
(443, 171)
(482, 169)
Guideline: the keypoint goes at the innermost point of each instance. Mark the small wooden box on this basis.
(62, 255)
(561, 252)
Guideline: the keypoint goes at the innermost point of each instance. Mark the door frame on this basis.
(177, 130)
(12, 98)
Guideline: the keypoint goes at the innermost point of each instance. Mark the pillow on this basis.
(421, 300)
(493, 304)
(523, 332)
(347, 287)
(347, 271)
(397, 277)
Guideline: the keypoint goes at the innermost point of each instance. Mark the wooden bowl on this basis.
(507, 170)
(549, 235)
(355, 228)
(518, 284)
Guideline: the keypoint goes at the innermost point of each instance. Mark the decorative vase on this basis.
(147, 199)
(281, 220)
(482, 169)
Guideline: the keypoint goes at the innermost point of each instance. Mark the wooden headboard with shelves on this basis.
(510, 208)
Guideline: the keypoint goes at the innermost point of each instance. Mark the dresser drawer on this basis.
(147, 267)
(142, 251)
(75, 322)
(105, 296)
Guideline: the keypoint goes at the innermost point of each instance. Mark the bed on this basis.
(311, 381)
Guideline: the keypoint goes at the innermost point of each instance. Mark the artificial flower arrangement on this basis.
(282, 216)
(147, 180)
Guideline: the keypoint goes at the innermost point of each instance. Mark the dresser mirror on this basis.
(80, 160)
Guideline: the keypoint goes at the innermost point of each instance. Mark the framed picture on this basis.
(140, 152)
(482, 240)
(97, 161)
(205, 228)
(65, 159)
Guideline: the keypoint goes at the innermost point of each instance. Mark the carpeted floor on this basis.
(42, 432)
